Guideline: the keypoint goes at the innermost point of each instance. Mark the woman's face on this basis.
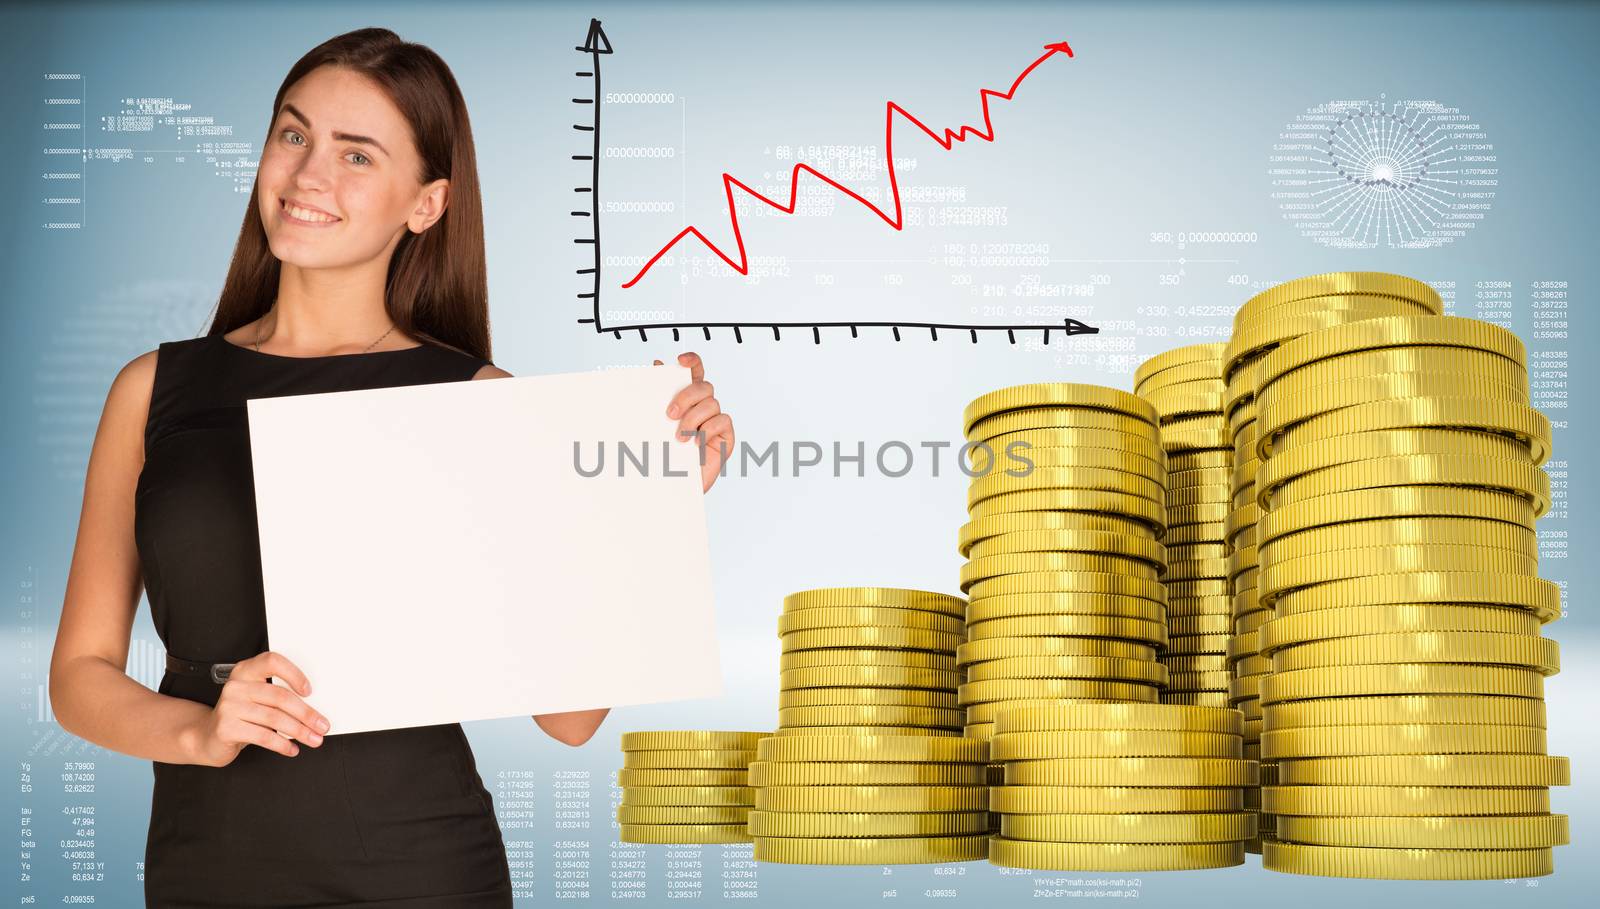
(338, 180)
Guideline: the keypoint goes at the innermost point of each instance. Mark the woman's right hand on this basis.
(253, 711)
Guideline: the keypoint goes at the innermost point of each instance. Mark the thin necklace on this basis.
(257, 341)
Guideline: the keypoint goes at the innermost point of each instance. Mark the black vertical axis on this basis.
(594, 44)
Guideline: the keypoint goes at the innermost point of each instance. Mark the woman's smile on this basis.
(300, 214)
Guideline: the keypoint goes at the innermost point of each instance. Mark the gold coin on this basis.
(1406, 864)
(1276, 412)
(1197, 662)
(1070, 626)
(1194, 433)
(1036, 689)
(1220, 827)
(1401, 331)
(688, 795)
(1196, 698)
(888, 597)
(1046, 541)
(1187, 399)
(1138, 508)
(871, 636)
(867, 697)
(1404, 531)
(1481, 647)
(1034, 746)
(1336, 741)
(858, 616)
(1186, 644)
(867, 677)
(683, 833)
(691, 740)
(1207, 605)
(1059, 418)
(1539, 596)
(1113, 856)
(989, 567)
(1154, 717)
(1390, 502)
(1056, 394)
(1069, 667)
(896, 850)
(983, 731)
(1404, 801)
(1401, 678)
(1534, 831)
(1133, 771)
(857, 656)
(1198, 495)
(980, 530)
(1254, 664)
(1197, 552)
(1427, 770)
(1517, 477)
(737, 776)
(1378, 361)
(1017, 461)
(988, 711)
(1048, 478)
(1432, 709)
(1000, 648)
(682, 814)
(1199, 624)
(1378, 445)
(1289, 574)
(1335, 284)
(708, 759)
(1200, 476)
(871, 715)
(864, 772)
(1023, 441)
(1520, 421)
(867, 824)
(1111, 800)
(867, 748)
(1180, 590)
(1217, 459)
(1064, 603)
(872, 799)
(1256, 338)
(1207, 354)
(1205, 680)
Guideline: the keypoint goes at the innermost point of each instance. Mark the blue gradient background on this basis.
(1163, 122)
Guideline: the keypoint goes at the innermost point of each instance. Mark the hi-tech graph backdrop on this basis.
(1146, 185)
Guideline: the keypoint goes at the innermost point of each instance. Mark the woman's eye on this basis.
(364, 159)
(290, 132)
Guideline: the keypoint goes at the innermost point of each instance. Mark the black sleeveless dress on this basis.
(394, 818)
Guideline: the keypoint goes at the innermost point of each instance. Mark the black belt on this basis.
(216, 672)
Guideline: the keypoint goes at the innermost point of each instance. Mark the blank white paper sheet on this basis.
(432, 554)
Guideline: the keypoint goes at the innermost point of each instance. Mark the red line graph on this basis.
(947, 140)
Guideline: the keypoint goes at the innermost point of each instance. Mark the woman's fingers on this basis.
(243, 732)
(719, 427)
(286, 701)
(688, 396)
(697, 415)
(272, 718)
(697, 369)
(272, 664)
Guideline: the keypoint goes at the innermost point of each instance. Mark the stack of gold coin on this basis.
(1185, 387)
(858, 799)
(870, 660)
(1265, 322)
(1067, 504)
(686, 786)
(1121, 787)
(1399, 486)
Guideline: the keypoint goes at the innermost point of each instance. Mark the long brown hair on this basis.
(437, 287)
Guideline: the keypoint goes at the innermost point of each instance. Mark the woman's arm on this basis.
(91, 694)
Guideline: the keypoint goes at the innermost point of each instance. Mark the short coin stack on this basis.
(854, 799)
(1121, 787)
(1067, 503)
(1185, 387)
(1399, 486)
(686, 786)
(870, 660)
(1267, 320)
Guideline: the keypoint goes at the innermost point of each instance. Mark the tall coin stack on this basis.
(1267, 320)
(686, 786)
(1121, 787)
(1185, 387)
(1399, 486)
(1067, 504)
(853, 799)
(870, 660)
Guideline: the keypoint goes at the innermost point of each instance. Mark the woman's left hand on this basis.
(697, 411)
